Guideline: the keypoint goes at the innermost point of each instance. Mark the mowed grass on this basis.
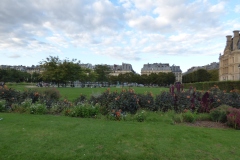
(25, 136)
(73, 93)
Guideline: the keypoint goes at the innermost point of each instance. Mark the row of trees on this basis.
(201, 75)
(160, 79)
(13, 75)
(62, 71)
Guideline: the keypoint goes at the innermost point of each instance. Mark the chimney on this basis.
(228, 43)
(235, 39)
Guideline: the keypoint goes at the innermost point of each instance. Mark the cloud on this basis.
(14, 56)
(237, 9)
(126, 29)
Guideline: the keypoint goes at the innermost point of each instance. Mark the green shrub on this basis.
(189, 117)
(140, 116)
(203, 117)
(155, 116)
(164, 101)
(2, 105)
(146, 101)
(51, 93)
(219, 114)
(83, 110)
(233, 118)
(178, 118)
(80, 100)
(59, 106)
(26, 103)
(38, 108)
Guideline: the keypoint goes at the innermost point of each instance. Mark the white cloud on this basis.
(125, 29)
(237, 9)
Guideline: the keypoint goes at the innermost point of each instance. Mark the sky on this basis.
(185, 33)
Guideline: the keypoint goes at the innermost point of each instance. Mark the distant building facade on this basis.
(211, 66)
(162, 68)
(87, 65)
(230, 60)
(28, 69)
(121, 69)
(177, 72)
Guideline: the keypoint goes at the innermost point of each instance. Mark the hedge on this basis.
(223, 85)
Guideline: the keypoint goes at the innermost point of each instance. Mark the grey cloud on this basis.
(15, 56)
(171, 16)
(27, 19)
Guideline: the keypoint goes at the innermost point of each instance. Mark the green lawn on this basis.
(25, 136)
(73, 93)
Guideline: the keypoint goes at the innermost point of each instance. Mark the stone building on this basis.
(162, 68)
(211, 66)
(230, 60)
(155, 68)
(33, 69)
(177, 72)
(121, 69)
(87, 65)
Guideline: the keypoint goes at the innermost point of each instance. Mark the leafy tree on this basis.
(102, 72)
(170, 78)
(202, 75)
(88, 75)
(214, 75)
(13, 75)
(61, 71)
(35, 77)
(70, 70)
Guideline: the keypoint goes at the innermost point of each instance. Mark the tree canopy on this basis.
(61, 71)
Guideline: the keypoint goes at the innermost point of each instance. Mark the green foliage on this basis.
(164, 101)
(57, 70)
(83, 111)
(223, 85)
(38, 108)
(146, 101)
(24, 106)
(140, 116)
(178, 118)
(102, 72)
(219, 114)
(11, 96)
(80, 100)
(200, 75)
(12, 75)
(203, 117)
(2, 105)
(59, 106)
(189, 117)
(126, 101)
(214, 75)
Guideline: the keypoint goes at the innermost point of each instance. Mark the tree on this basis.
(70, 70)
(88, 75)
(51, 69)
(202, 75)
(13, 75)
(60, 71)
(102, 72)
(214, 75)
